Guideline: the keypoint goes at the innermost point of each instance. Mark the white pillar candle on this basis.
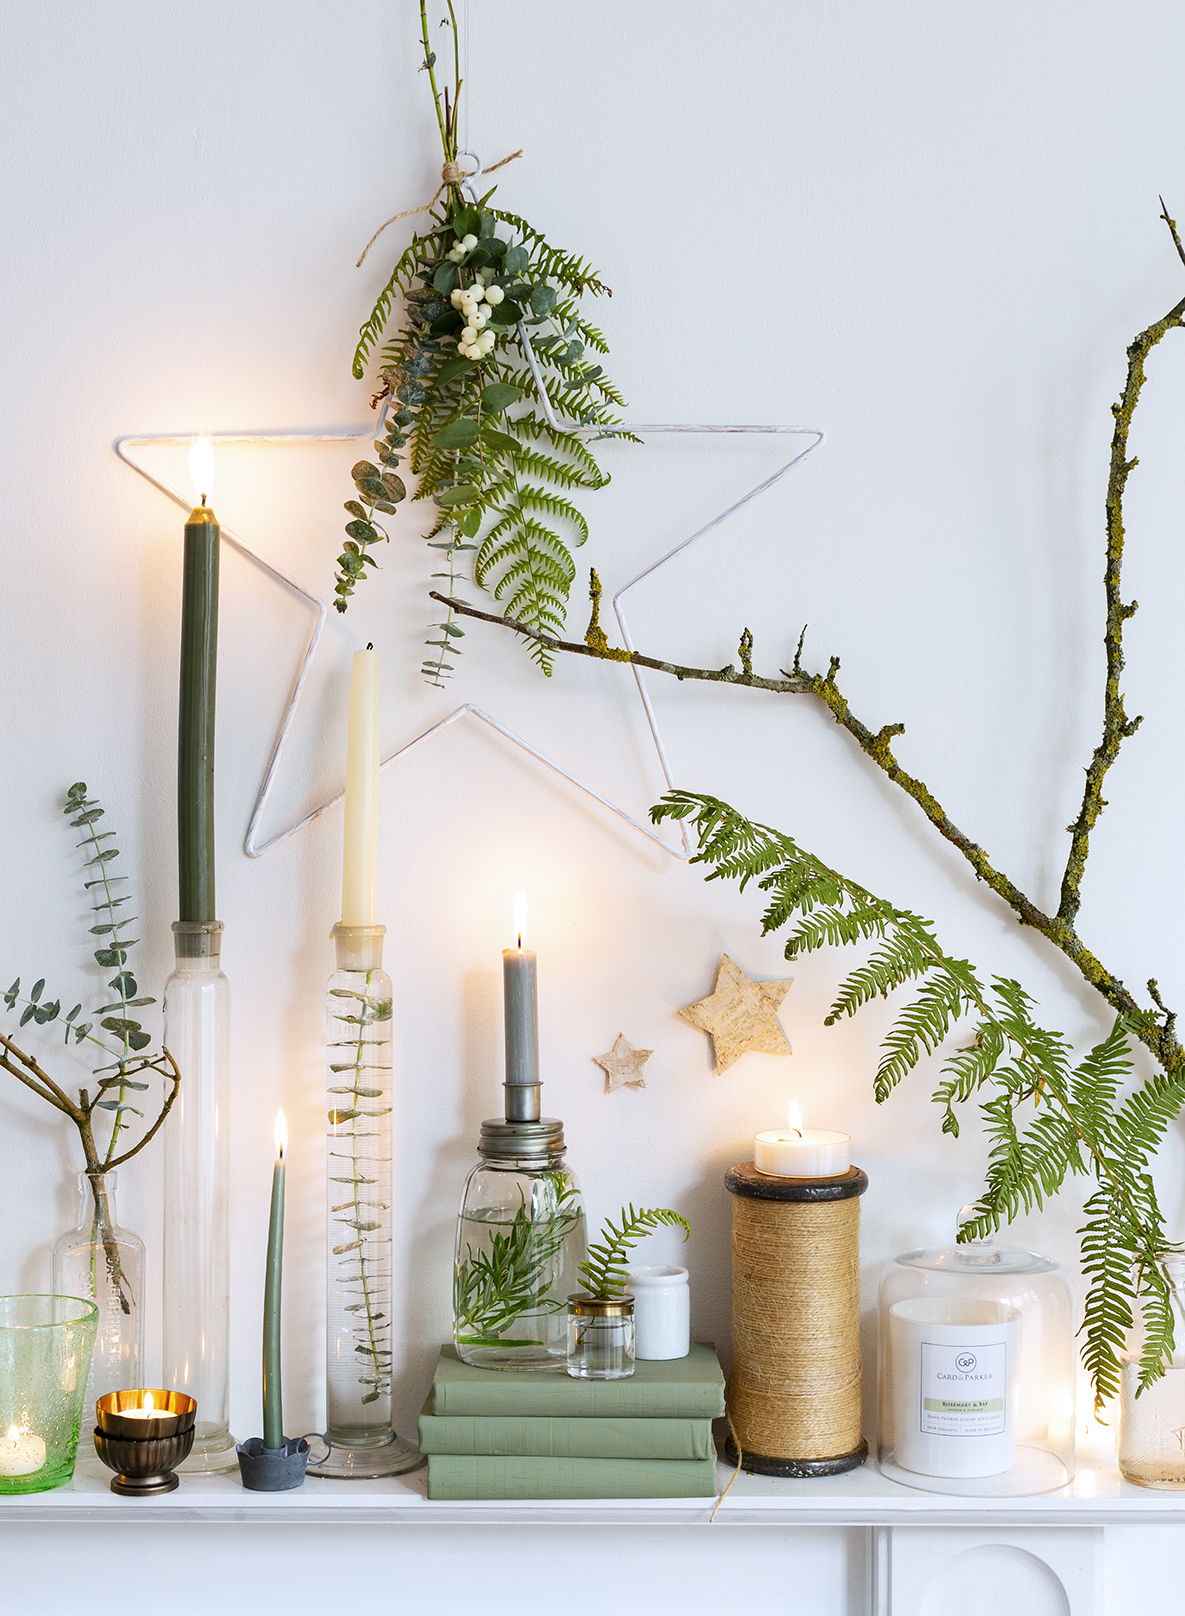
(360, 848)
(955, 1386)
(798, 1152)
(20, 1454)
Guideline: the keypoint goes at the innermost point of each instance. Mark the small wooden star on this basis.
(740, 1015)
(623, 1065)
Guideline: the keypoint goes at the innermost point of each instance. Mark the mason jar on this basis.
(520, 1236)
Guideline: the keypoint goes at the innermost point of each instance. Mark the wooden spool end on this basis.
(744, 1179)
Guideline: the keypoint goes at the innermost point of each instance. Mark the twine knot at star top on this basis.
(740, 1015)
(623, 1065)
(451, 174)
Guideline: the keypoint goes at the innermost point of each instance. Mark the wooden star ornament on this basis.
(741, 1015)
(623, 1065)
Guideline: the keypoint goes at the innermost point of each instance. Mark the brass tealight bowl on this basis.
(144, 1451)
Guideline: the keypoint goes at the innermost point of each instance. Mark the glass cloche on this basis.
(977, 1367)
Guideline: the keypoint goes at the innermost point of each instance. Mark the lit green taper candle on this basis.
(273, 1400)
(195, 717)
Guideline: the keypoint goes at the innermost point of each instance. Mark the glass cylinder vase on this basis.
(197, 1186)
(104, 1263)
(520, 1235)
(45, 1355)
(358, 1162)
(1152, 1422)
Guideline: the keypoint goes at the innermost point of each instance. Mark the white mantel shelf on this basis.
(1097, 1497)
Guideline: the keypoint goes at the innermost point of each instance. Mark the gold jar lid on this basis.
(602, 1307)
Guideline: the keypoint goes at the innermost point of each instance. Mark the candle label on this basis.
(964, 1389)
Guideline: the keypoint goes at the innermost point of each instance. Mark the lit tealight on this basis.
(201, 469)
(798, 1152)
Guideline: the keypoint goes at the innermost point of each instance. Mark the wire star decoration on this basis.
(740, 1015)
(253, 846)
(623, 1065)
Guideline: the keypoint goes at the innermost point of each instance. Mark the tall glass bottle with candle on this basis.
(197, 1164)
(358, 1109)
(521, 1232)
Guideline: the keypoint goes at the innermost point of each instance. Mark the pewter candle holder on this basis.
(144, 1451)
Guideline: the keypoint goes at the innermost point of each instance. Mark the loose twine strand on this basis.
(451, 174)
(736, 1443)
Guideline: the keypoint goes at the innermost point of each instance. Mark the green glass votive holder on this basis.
(45, 1356)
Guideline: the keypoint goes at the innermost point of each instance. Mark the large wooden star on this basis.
(740, 1015)
(623, 1065)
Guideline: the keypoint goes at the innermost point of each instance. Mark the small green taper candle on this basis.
(273, 1400)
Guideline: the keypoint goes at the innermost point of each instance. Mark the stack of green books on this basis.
(505, 1433)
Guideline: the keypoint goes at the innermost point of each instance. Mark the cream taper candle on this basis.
(361, 842)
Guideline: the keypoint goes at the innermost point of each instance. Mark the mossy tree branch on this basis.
(1158, 1035)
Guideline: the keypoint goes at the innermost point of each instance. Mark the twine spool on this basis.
(794, 1393)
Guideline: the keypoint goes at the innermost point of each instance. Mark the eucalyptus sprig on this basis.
(470, 400)
(111, 1030)
(605, 1273)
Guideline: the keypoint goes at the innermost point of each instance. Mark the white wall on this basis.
(930, 229)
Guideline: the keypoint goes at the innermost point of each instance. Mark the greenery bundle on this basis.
(1050, 1117)
(474, 405)
(125, 1039)
(605, 1273)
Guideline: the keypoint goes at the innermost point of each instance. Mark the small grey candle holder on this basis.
(277, 1470)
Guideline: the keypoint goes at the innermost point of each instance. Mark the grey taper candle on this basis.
(521, 1002)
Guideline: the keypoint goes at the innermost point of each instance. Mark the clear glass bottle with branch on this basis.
(98, 1260)
(359, 1192)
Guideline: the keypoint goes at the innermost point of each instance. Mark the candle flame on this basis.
(201, 468)
(520, 917)
(281, 1136)
(794, 1118)
(148, 1403)
(14, 1434)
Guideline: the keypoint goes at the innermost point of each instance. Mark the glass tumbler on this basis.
(1152, 1422)
(45, 1356)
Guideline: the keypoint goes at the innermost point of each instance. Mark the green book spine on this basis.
(458, 1475)
(690, 1388)
(528, 1434)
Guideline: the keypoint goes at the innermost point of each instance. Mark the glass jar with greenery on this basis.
(520, 1238)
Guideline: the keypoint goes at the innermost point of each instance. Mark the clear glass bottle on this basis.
(977, 1370)
(520, 1235)
(1152, 1424)
(104, 1264)
(197, 1193)
(358, 1172)
(600, 1337)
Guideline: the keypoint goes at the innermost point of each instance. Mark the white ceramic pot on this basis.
(662, 1312)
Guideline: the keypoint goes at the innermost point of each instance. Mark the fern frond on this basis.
(606, 1270)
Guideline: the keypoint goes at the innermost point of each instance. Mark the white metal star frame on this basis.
(251, 843)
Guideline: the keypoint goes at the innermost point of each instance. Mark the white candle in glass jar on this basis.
(20, 1454)
(798, 1152)
(955, 1385)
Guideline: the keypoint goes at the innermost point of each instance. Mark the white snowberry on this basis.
(467, 243)
(494, 295)
(455, 297)
(469, 335)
